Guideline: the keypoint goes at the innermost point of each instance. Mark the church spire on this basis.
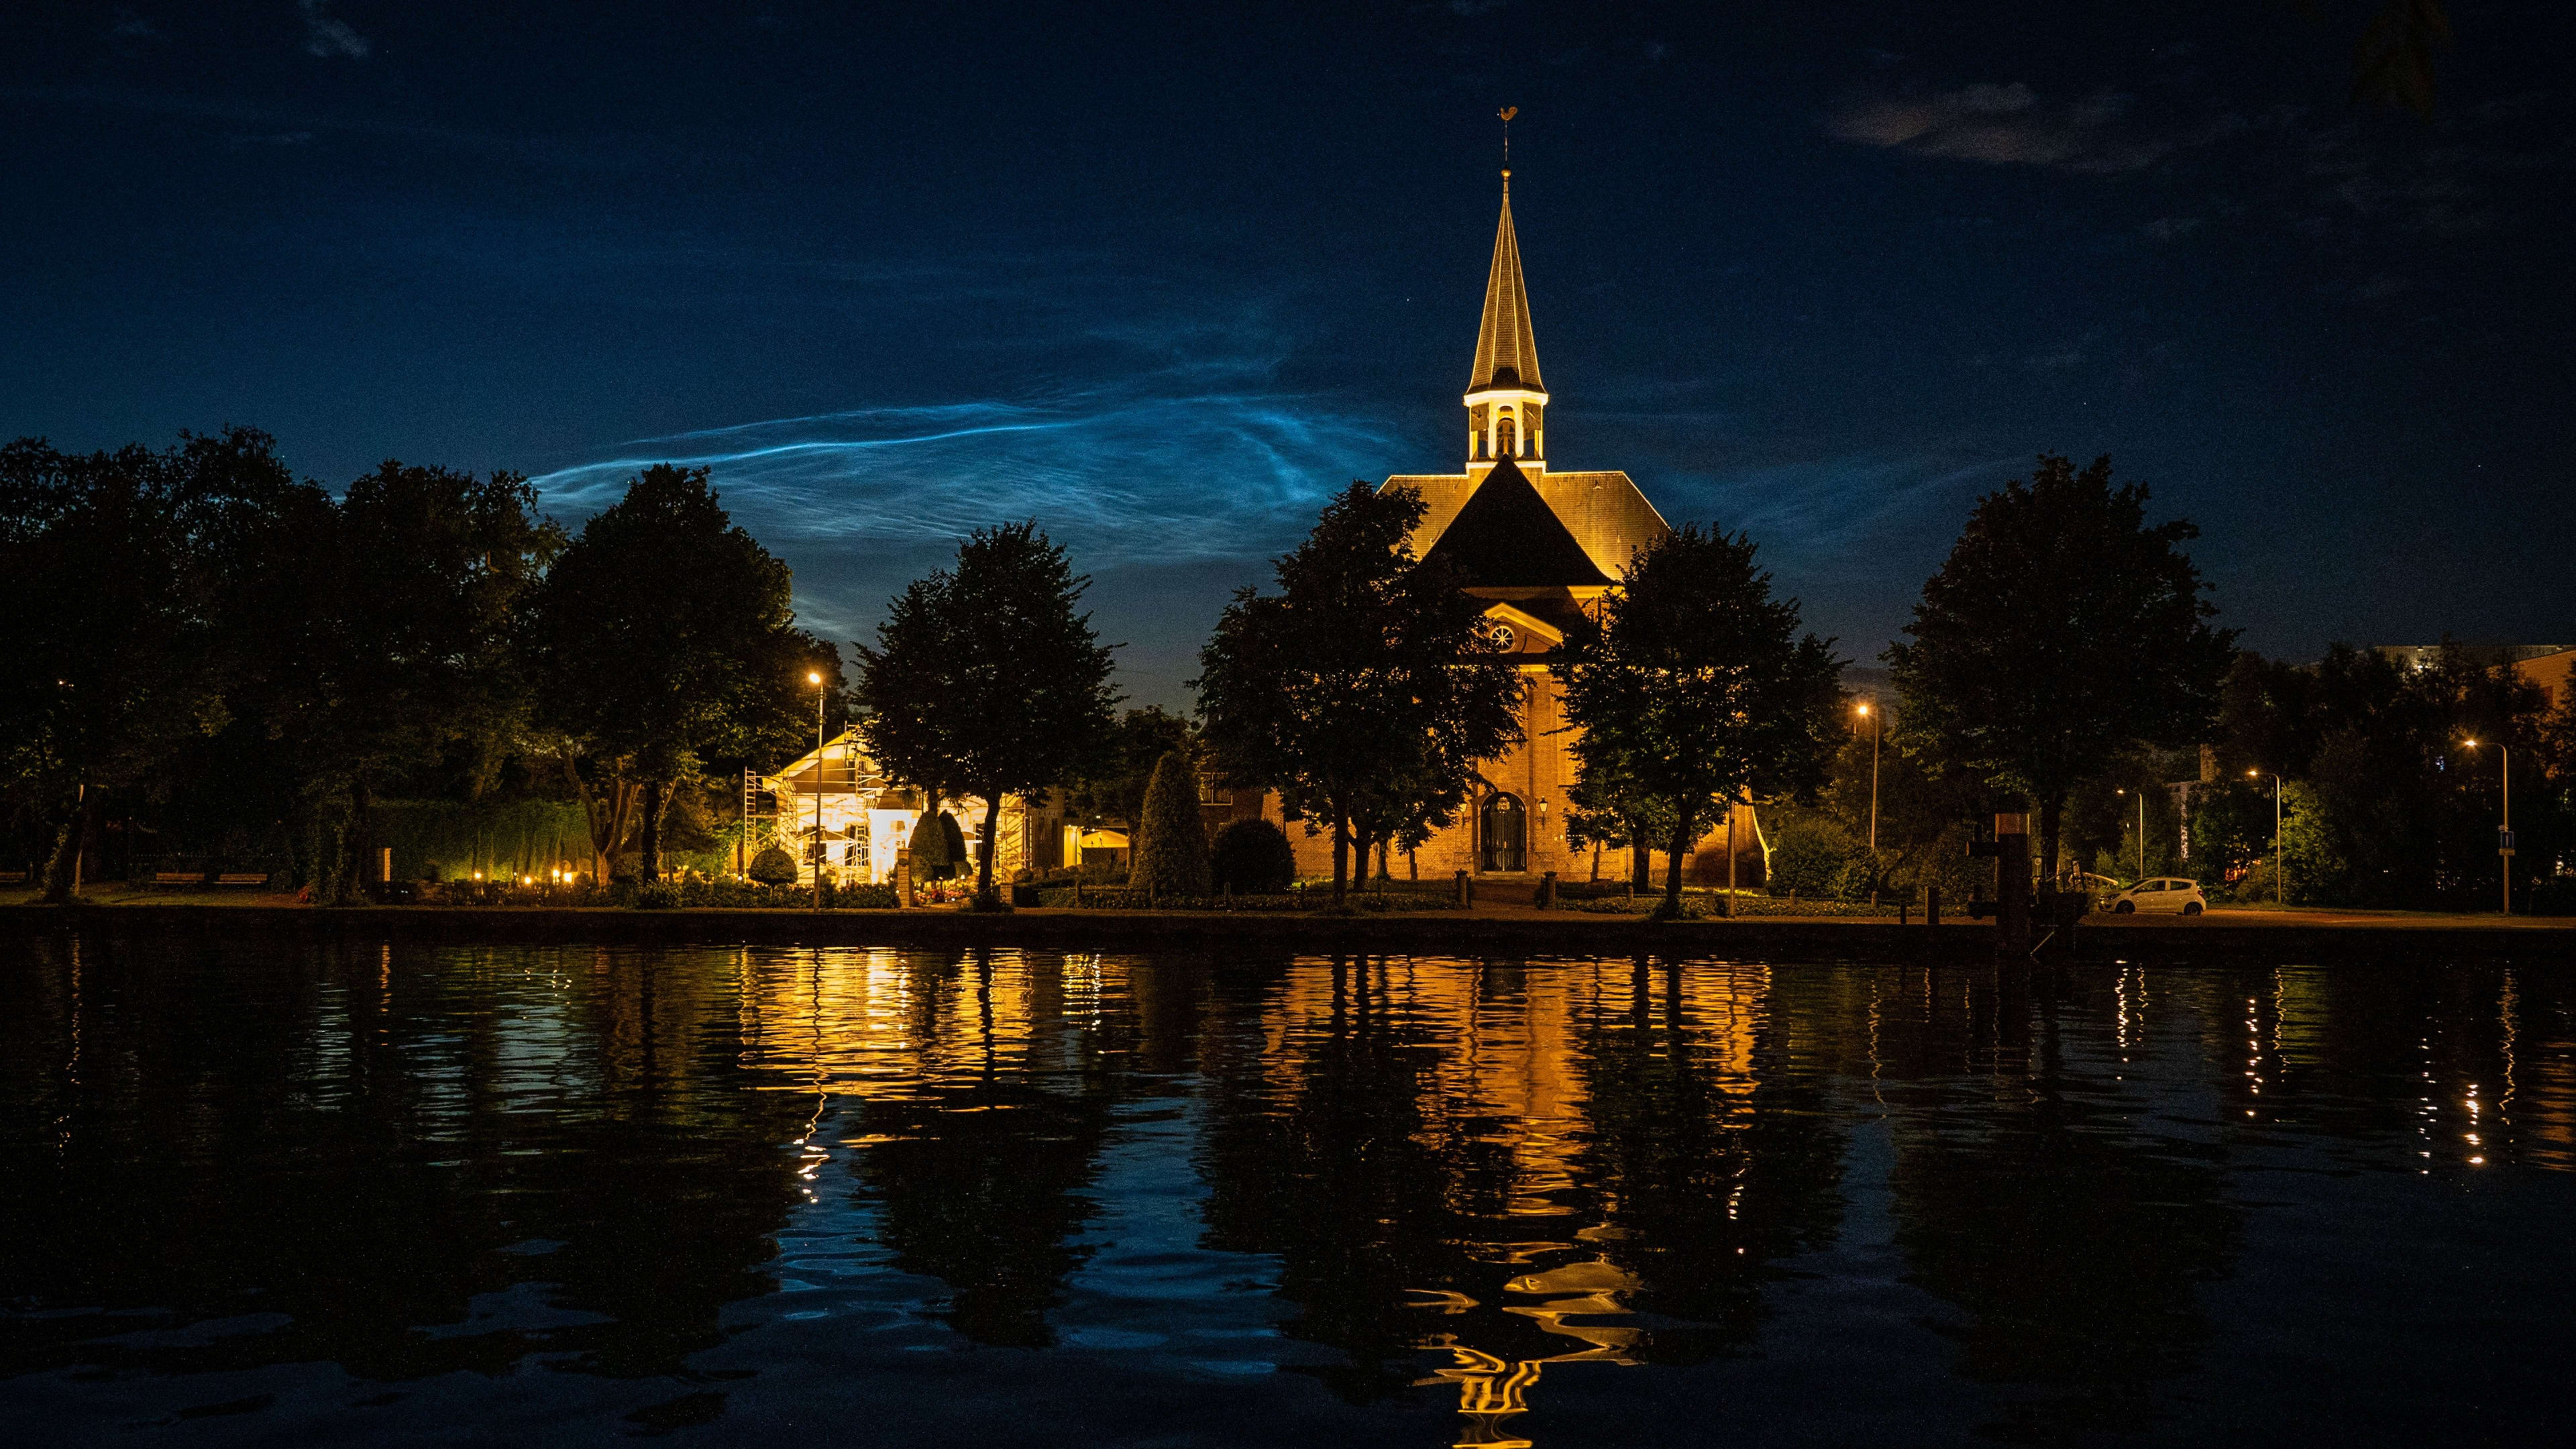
(1506, 401)
(1506, 354)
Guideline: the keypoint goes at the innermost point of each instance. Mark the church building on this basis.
(1540, 544)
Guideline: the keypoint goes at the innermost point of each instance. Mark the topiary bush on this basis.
(1171, 844)
(657, 895)
(773, 866)
(1808, 855)
(931, 857)
(1252, 858)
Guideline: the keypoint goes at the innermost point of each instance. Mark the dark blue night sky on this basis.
(1162, 278)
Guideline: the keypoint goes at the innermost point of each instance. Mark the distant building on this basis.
(2546, 665)
(1541, 545)
(833, 808)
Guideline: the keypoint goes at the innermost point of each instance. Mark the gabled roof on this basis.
(1604, 511)
(1506, 537)
(1506, 353)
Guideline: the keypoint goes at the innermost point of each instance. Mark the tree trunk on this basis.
(607, 818)
(984, 847)
(1640, 860)
(652, 842)
(1671, 909)
(353, 847)
(2052, 814)
(1341, 857)
(64, 863)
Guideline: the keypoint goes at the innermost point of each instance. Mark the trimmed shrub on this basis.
(657, 895)
(1808, 856)
(931, 859)
(1252, 858)
(773, 866)
(1171, 845)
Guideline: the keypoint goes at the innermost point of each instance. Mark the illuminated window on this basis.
(1506, 444)
(1212, 791)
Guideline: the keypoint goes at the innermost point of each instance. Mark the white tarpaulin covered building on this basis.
(833, 806)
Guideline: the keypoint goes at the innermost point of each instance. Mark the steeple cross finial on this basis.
(1507, 113)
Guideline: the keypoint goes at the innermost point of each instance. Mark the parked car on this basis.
(2171, 894)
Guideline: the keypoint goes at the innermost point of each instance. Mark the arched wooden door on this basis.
(1503, 826)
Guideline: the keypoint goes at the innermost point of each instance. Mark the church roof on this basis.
(1506, 353)
(1506, 537)
(1603, 510)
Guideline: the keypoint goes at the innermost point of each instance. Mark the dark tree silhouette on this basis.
(1111, 786)
(2061, 627)
(122, 575)
(985, 678)
(1363, 691)
(1694, 689)
(409, 647)
(664, 638)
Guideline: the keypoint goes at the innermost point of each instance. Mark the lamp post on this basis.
(2279, 896)
(814, 677)
(1875, 730)
(2142, 830)
(2504, 836)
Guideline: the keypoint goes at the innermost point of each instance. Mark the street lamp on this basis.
(2504, 835)
(814, 677)
(2279, 896)
(2142, 831)
(1874, 732)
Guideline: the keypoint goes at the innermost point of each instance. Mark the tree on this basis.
(1252, 857)
(1605, 809)
(664, 639)
(1111, 785)
(1693, 689)
(2060, 627)
(122, 576)
(1170, 844)
(408, 656)
(1364, 691)
(987, 679)
(773, 867)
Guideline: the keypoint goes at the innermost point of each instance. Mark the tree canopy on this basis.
(665, 640)
(1693, 689)
(2062, 626)
(1365, 690)
(139, 586)
(1111, 785)
(986, 678)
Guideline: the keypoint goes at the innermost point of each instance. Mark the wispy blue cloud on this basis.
(1138, 474)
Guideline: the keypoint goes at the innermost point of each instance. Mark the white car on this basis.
(2173, 895)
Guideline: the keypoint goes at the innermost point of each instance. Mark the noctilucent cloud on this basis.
(1162, 278)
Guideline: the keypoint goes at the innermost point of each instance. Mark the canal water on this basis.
(259, 1194)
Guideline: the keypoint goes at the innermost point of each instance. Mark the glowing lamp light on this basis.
(1863, 706)
(811, 677)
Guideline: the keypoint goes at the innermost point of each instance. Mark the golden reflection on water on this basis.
(1453, 1176)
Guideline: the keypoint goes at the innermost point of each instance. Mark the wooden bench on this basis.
(179, 877)
(242, 878)
(13, 877)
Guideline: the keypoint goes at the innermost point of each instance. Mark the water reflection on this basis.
(1397, 1200)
